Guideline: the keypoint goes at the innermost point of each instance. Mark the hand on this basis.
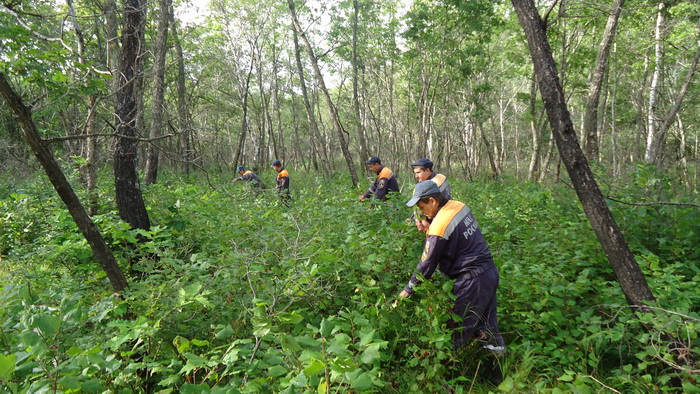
(403, 294)
(361, 198)
(422, 225)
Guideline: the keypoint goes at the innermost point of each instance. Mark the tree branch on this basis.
(79, 137)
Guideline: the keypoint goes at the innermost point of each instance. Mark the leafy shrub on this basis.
(250, 296)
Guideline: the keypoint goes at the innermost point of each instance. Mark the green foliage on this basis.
(251, 296)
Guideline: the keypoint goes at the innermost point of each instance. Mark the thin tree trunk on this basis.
(681, 149)
(628, 273)
(237, 154)
(601, 65)
(659, 138)
(53, 170)
(364, 153)
(650, 153)
(90, 166)
(183, 111)
(278, 140)
(333, 113)
(613, 121)
(160, 50)
(535, 157)
(311, 118)
(130, 204)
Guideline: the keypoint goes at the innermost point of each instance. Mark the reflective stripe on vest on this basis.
(447, 218)
(385, 173)
(439, 179)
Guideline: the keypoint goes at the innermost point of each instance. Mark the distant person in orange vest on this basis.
(282, 182)
(247, 175)
(385, 182)
(423, 170)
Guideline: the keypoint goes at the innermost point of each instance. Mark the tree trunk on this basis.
(91, 142)
(364, 153)
(621, 259)
(53, 170)
(160, 50)
(590, 117)
(278, 140)
(183, 111)
(130, 204)
(311, 118)
(332, 111)
(244, 117)
(659, 138)
(650, 153)
(535, 158)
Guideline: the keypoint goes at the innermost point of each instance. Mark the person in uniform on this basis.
(386, 181)
(282, 182)
(455, 245)
(247, 175)
(423, 170)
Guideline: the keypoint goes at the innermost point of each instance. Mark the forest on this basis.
(131, 262)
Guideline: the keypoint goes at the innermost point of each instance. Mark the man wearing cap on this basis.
(385, 182)
(423, 170)
(247, 175)
(282, 182)
(456, 247)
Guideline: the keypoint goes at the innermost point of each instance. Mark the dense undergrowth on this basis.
(249, 296)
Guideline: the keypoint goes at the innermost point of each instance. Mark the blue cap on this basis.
(277, 163)
(373, 160)
(423, 162)
(240, 168)
(423, 189)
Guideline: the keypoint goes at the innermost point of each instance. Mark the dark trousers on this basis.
(476, 304)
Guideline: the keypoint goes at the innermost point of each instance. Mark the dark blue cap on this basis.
(277, 163)
(373, 160)
(423, 162)
(240, 168)
(423, 189)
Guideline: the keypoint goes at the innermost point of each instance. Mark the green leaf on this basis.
(307, 341)
(566, 378)
(188, 388)
(276, 371)
(198, 342)
(314, 368)
(326, 327)
(339, 345)
(69, 382)
(48, 324)
(289, 343)
(225, 332)
(291, 317)
(92, 386)
(362, 382)
(371, 353)
(181, 343)
(262, 327)
(322, 387)
(366, 337)
(7, 366)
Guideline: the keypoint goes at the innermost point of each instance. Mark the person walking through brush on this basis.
(385, 182)
(247, 175)
(456, 246)
(423, 170)
(282, 182)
